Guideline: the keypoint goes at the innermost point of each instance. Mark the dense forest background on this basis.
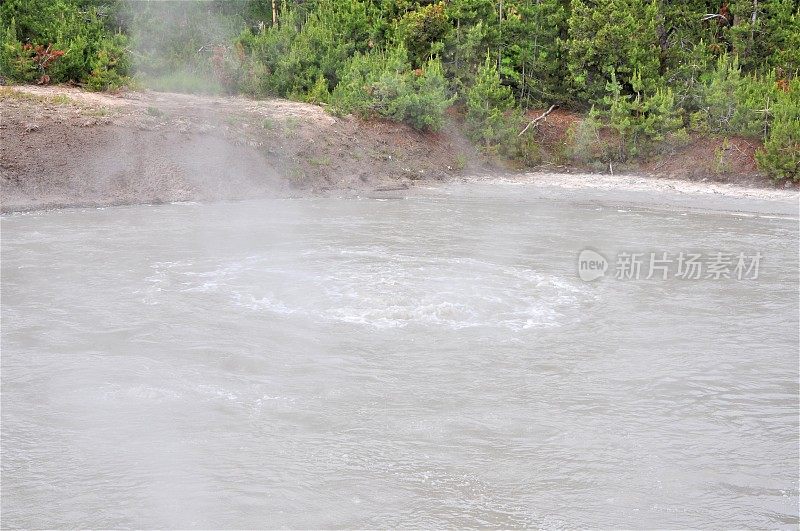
(644, 74)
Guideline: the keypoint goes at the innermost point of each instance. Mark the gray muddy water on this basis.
(427, 361)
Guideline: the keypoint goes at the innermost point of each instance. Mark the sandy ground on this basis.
(61, 146)
(637, 183)
(634, 191)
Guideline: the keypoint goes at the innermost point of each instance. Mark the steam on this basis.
(174, 42)
(180, 144)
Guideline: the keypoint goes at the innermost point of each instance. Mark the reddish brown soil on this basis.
(702, 158)
(553, 129)
(711, 159)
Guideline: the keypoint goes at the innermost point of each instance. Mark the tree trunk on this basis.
(500, 31)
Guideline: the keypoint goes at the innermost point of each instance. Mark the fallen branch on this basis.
(715, 15)
(538, 119)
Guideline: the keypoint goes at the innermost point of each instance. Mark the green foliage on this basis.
(734, 103)
(319, 93)
(60, 41)
(770, 36)
(354, 92)
(686, 76)
(754, 97)
(492, 114)
(526, 38)
(780, 157)
(423, 107)
(534, 51)
(15, 63)
(269, 68)
(612, 38)
(186, 46)
(288, 59)
(780, 36)
(384, 84)
(641, 119)
(583, 140)
(476, 30)
(718, 97)
(109, 64)
(422, 31)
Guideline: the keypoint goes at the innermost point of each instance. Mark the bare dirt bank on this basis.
(64, 147)
(61, 146)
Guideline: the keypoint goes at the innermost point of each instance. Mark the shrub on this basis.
(780, 157)
(59, 41)
(15, 63)
(733, 103)
(109, 65)
(319, 93)
(289, 58)
(641, 120)
(754, 97)
(492, 115)
(384, 84)
(422, 29)
(416, 97)
(269, 68)
(583, 139)
(618, 36)
(353, 93)
(718, 101)
(186, 46)
(685, 77)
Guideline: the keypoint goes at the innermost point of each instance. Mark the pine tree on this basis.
(488, 104)
(476, 31)
(640, 119)
(780, 157)
(423, 30)
(533, 43)
(616, 36)
(384, 84)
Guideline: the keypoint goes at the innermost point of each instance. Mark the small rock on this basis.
(30, 127)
